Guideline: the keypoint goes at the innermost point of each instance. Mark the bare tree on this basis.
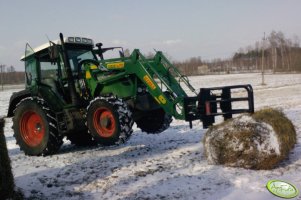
(273, 48)
(2, 70)
(296, 41)
(10, 69)
(257, 49)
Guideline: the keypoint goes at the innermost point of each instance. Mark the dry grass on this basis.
(283, 127)
(260, 142)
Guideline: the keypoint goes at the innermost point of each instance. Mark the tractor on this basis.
(72, 91)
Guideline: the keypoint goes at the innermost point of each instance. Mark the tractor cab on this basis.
(45, 64)
(61, 68)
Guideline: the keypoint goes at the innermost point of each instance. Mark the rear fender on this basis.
(15, 99)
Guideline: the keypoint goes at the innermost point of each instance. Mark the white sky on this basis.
(183, 29)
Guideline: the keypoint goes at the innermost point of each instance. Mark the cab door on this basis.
(31, 73)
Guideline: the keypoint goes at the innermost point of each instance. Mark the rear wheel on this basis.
(154, 121)
(35, 128)
(109, 120)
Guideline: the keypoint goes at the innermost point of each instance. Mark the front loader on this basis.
(73, 91)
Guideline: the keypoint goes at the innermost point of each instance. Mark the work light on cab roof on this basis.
(79, 40)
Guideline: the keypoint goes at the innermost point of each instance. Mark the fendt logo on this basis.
(282, 189)
(116, 65)
(149, 82)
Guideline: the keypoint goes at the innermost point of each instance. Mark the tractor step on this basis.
(61, 123)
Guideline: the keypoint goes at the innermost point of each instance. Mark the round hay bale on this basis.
(257, 141)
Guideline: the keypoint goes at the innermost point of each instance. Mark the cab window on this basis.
(77, 55)
(49, 70)
(30, 72)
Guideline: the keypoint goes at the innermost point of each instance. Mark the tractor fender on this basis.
(15, 99)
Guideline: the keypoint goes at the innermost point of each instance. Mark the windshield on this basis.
(77, 55)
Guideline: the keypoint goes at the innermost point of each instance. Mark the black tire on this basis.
(154, 122)
(109, 120)
(81, 138)
(35, 128)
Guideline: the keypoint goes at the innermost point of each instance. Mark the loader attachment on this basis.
(165, 85)
(219, 101)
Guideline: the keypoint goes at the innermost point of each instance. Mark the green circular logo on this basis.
(282, 189)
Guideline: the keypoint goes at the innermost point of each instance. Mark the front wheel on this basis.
(154, 121)
(109, 120)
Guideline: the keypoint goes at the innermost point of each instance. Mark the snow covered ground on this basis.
(170, 165)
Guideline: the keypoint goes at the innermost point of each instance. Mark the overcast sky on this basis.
(183, 29)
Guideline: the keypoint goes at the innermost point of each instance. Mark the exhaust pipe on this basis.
(71, 84)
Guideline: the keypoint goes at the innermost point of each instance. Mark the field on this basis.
(170, 165)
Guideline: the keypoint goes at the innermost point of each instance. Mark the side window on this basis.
(30, 66)
(49, 70)
(75, 56)
(30, 72)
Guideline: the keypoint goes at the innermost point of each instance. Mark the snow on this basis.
(170, 165)
(270, 142)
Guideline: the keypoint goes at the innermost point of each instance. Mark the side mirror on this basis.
(121, 54)
(53, 52)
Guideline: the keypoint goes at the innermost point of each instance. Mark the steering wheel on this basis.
(82, 62)
(82, 84)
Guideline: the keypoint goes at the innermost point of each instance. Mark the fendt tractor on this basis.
(73, 91)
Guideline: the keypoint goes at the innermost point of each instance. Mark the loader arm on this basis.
(165, 84)
(158, 78)
(159, 74)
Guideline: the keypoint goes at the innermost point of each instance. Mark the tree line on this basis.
(8, 75)
(275, 53)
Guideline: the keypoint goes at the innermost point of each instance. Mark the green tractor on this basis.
(72, 91)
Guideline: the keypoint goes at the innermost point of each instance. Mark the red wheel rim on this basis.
(104, 122)
(32, 128)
